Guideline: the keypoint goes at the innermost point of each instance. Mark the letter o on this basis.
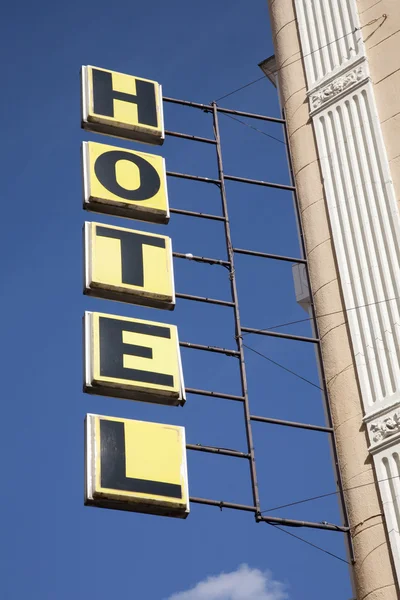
(105, 170)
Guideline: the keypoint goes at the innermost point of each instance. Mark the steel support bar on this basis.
(310, 524)
(204, 299)
(266, 255)
(278, 186)
(190, 213)
(209, 261)
(187, 103)
(214, 394)
(214, 450)
(273, 520)
(193, 177)
(291, 424)
(223, 504)
(240, 113)
(208, 108)
(187, 136)
(210, 349)
(235, 299)
(288, 336)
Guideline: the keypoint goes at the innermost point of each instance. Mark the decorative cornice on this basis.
(337, 87)
(383, 410)
(339, 71)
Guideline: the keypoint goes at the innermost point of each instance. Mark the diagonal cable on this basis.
(274, 362)
(297, 537)
(254, 128)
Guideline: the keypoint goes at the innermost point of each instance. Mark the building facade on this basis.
(338, 72)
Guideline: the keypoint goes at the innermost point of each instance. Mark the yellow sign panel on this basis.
(133, 359)
(122, 105)
(125, 183)
(136, 465)
(129, 266)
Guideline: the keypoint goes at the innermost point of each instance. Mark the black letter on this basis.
(104, 96)
(113, 465)
(112, 350)
(105, 170)
(131, 252)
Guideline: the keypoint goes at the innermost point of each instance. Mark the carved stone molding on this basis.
(385, 427)
(335, 88)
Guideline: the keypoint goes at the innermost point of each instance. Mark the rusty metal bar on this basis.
(310, 524)
(204, 299)
(208, 108)
(190, 213)
(214, 394)
(223, 504)
(278, 186)
(187, 136)
(273, 256)
(291, 424)
(288, 336)
(214, 450)
(209, 261)
(240, 113)
(268, 519)
(210, 349)
(193, 177)
(238, 336)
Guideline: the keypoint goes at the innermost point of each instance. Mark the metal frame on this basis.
(214, 109)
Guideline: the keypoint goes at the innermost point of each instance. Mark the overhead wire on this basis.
(278, 69)
(384, 16)
(297, 537)
(317, 498)
(254, 128)
(241, 88)
(335, 312)
(282, 366)
(312, 498)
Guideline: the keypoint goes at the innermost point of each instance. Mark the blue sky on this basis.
(54, 548)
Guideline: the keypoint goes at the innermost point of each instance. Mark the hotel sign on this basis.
(133, 359)
(129, 266)
(136, 466)
(122, 105)
(124, 183)
(130, 465)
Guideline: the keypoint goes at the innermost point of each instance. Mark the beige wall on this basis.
(382, 41)
(373, 572)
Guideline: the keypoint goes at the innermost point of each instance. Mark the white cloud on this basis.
(243, 584)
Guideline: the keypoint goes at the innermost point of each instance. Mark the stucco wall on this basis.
(373, 570)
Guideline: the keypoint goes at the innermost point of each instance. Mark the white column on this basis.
(365, 225)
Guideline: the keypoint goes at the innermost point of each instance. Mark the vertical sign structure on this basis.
(130, 465)
(133, 465)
